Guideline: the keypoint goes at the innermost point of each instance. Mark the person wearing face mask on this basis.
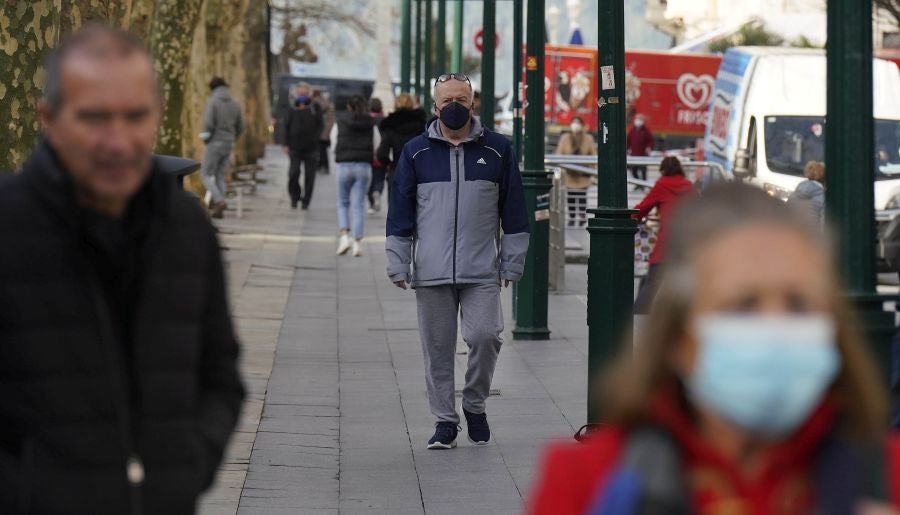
(455, 188)
(639, 142)
(750, 391)
(302, 128)
(579, 143)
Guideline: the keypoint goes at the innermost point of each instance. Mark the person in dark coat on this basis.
(404, 124)
(379, 171)
(639, 143)
(119, 385)
(302, 131)
(356, 138)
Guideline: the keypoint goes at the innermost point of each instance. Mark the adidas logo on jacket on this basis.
(448, 206)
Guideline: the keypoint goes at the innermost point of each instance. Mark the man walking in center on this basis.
(455, 188)
(222, 124)
(119, 381)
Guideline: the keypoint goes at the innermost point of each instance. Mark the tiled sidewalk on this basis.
(337, 417)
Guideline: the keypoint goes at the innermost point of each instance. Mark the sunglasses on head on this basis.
(447, 76)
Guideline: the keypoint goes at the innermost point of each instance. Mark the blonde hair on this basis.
(814, 171)
(635, 378)
(404, 101)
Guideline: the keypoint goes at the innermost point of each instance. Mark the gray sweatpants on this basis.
(477, 307)
(212, 170)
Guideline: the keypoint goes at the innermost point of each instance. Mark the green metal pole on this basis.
(441, 43)
(850, 146)
(426, 86)
(405, 44)
(517, 103)
(456, 57)
(418, 63)
(488, 52)
(517, 77)
(531, 294)
(611, 262)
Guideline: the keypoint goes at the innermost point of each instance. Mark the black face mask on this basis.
(455, 116)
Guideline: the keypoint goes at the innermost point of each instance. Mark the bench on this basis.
(243, 179)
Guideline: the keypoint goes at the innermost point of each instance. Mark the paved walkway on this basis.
(337, 417)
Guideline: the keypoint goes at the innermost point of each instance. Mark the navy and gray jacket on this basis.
(448, 206)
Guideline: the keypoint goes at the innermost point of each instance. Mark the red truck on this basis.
(672, 91)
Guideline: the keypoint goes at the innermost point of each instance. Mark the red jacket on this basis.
(664, 196)
(639, 140)
(573, 475)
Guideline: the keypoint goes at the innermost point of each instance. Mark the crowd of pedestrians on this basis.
(749, 389)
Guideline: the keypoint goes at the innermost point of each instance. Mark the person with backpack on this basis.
(750, 391)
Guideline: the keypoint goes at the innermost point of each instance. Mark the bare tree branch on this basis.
(315, 12)
(297, 18)
(891, 6)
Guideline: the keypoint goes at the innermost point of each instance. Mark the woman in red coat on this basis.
(665, 195)
(750, 391)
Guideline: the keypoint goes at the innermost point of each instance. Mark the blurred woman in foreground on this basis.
(751, 391)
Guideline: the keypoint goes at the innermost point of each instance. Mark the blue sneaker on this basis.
(478, 430)
(444, 436)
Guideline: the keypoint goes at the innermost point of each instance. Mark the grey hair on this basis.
(95, 40)
(436, 84)
(303, 85)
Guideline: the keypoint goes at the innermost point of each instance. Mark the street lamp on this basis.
(611, 261)
(531, 294)
(849, 134)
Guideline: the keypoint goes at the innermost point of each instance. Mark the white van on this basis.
(768, 114)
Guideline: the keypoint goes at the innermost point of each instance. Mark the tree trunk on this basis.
(191, 41)
(256, 85)
(81, 12)
(170, 41)
(140, 18)
(27, 31)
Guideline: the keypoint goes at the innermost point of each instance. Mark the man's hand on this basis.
(286, 150)
(401, 284)
(506, 283)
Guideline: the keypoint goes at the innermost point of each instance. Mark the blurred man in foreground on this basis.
(119, 385)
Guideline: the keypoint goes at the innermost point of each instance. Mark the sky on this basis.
(350, 55)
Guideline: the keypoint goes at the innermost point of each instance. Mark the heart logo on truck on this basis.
(694, 91)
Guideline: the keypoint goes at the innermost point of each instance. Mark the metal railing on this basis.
(560, 198)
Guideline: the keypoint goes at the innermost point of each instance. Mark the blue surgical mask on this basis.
(455, 116)
(764, 373)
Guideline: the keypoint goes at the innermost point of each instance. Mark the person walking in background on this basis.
(455, 188)
(639, 142)
(405, 123)
(356, 138)
(119, 384)
(303, 128)
(320, 98)
(665, 195)
(376, 187)
(577, 142)
(222, 124)
(751, 390)
(811, 192)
